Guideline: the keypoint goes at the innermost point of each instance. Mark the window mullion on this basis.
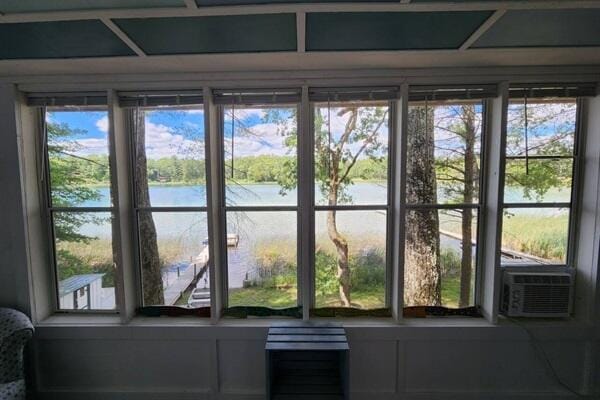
(122, 209)
(398, 186)
(305, 203)
(216, 205)
(491, 215)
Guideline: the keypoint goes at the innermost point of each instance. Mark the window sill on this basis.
(114, 320)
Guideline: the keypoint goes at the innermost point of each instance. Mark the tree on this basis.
(336, 154)
(68, 189)
(150, 260)
(422, 269)
(457, 173)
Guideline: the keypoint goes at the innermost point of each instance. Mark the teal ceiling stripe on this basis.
(60, 39)
(214, 34)
(356, 31)
(544, 28)
(23, 6)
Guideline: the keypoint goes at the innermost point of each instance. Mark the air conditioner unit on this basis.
(537, 294)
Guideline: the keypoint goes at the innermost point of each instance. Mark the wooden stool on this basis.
(307, 361)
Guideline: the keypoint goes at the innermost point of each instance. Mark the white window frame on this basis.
(572, 205)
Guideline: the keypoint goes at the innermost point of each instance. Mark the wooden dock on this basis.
(192, 273)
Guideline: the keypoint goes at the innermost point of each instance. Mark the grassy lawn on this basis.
(264, 296)
(365, 298)
(282, 298)
(450, 291)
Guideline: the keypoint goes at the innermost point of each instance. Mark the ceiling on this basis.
(170, 35)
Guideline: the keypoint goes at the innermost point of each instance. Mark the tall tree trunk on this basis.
(341, 246)
(422, 269)
(152, 283)
(467, 215)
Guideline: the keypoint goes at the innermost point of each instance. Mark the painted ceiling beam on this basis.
(482, 29)
(294, 8)
(123, 36)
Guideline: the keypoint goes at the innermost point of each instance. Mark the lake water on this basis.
(185, 232)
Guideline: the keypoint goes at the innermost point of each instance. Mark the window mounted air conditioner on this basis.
(537, 294)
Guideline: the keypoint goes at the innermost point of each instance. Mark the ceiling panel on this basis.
(61, 39)
(544, 28)
(22, 6)
(390, 31)
(218, 34)
(250, 2)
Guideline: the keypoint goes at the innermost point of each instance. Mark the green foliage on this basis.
(367, 275)
(541, 236)
(69, 175)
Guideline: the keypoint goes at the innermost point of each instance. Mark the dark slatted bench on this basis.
(307, 362)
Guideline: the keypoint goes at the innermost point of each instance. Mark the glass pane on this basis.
(550, 127)
(84, 261)
(260, 155)
(535, 236)
(538, 181)
(78, 157)
(443, 152)
(169, 157)
(440, 258)
(350, 259)
(351, 153)
(262, 259)
(174, 258)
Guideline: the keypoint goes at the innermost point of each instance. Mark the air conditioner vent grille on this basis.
(543, 279)
(546, 299)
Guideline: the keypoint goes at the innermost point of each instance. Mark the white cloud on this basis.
(260, 139)
(162, 142)
(102, 124)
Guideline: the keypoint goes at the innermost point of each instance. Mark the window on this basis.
(541, 156)
(326, 178)
(351, 147)
(443, 183)
(171, 204)
(261, 202)
(79, 206)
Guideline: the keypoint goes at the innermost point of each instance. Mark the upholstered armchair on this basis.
(15, 331)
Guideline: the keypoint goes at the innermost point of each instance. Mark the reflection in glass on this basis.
(535, 236)
(351, 153)
(174, 258)
(262, 259)
(170, 158)
(84, 260)
(531, 181)
(550, 128)
(78, 157)
(443, 152)
(440, 257)
(355, 242)
(260, 155)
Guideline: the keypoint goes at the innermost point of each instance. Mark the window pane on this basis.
(260, 155)
(538, 181)
(440, 258)
(535, 235)
(169, 157)
(84, 260)
(550, 127)
(78, 157)
(351, 153)
(174, 258)
(443, 152)
(350, 259)
(262, 259)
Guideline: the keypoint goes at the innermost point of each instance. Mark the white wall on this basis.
(466, 361)
(98, 358)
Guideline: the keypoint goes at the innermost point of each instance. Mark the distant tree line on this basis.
(94, 170)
